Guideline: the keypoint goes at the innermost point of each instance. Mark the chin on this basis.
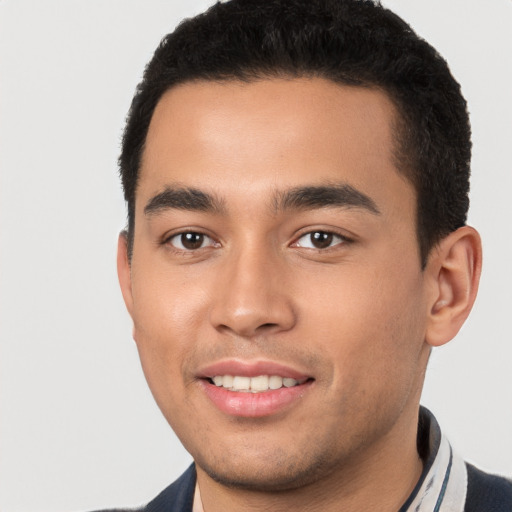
(275, 473)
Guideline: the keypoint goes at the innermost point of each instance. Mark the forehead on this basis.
(274, 133)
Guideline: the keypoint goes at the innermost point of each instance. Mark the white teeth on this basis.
(259, 383)
(275, 382)
(226, 381)
(288, 383)
(241, 383)
(253, 384)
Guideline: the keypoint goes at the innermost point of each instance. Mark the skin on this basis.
(359, 317)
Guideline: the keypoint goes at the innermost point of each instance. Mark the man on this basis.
(296, 174)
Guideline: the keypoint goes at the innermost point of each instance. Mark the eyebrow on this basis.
(299, 198)
(315, 197)
(183, 198)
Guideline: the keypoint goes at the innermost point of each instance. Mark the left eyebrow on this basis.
(316, 197)
(183, 198)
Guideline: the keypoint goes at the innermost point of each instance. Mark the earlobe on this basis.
(454, 270)
(124, 271)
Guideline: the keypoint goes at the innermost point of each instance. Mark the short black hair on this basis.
(351, 42)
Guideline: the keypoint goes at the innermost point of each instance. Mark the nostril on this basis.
(248, 330)
(269, 326)
(253, 318)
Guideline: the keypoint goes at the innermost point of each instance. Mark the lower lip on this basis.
(254, 405)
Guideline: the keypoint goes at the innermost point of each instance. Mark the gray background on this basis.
(79, 429)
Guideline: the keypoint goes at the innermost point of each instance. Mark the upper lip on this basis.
(237, 367)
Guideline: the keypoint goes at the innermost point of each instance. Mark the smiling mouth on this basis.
(254, 390)
(259, 384)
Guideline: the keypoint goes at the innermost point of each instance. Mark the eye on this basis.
(190, 241)
(319, 240)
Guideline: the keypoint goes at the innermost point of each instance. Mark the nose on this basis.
(252, 296)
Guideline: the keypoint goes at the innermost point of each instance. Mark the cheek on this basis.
(169, 309)
(371, 323)
(168, 305)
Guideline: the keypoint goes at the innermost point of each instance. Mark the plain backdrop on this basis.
(79, 429)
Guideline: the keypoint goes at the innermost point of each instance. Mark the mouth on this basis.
(254, 389)
(259, 384)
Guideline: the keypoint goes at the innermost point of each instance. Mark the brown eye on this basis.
(319, 240)
(190, 241)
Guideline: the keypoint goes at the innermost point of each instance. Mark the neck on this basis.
(381, 478)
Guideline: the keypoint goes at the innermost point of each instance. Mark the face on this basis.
(275, 285)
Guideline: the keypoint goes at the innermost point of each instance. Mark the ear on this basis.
(453, 269)
(124, 271)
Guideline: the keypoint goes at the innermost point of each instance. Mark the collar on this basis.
(443, 483)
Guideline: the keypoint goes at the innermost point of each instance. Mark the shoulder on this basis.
(178, 497)
(487, 493)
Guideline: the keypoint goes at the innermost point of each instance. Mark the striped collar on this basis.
(443, 483)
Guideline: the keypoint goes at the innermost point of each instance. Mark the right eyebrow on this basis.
(314, 197)
(183, 198)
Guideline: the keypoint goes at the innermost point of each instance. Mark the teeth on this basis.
(226, 381)
(288, 383)
(259, 383)
(242, 383)
(253, 384)
(275, 382)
